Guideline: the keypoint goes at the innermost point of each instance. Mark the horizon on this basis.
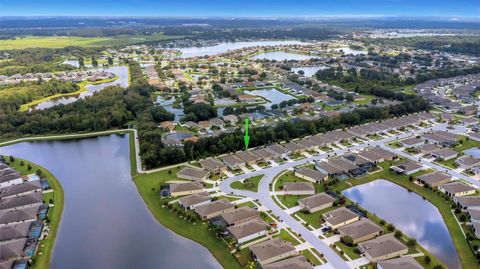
(245, 9)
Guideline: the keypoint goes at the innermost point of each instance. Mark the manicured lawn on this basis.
(148, 187)
(288, 176)
(466, 144)
(314, 219)
(290, 200)
(287, 237)
(310, 257)
(45, 248)
(250, 184)
(449, 163)
(349, 250)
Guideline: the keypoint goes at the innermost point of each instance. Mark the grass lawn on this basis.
(449, 163)
(314, 219)
(45, 248)
(64, 41)
(465, 254)
(148, 187)
(288, 176)
(470, 143)
(287, 237)
(349, 250)
(250, 184)
(290, 200)
(308, 254)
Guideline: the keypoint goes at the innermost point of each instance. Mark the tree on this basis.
(81, 62)
(12, 159)
(427, 259)
(398, 234)
(411, 242)
(94, 61)
(347, 240)
(110, 61)
(349, 98)
(39, 172)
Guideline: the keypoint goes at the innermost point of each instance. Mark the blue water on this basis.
(410, 213)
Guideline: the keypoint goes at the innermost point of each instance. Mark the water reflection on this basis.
(410, 213)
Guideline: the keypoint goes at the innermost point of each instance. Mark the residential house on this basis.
(232, 119)
(9, 177)
(442, 138)
(297, 262)
(278, 150)
(204, 124)
(248, 230)
(467, 162)
(382, 248)
(445, 154)
(428, 148)
(468, 110)
(361, 230)
(194, 200)
(248, 157)
(28, 214)
(265, 154)
(457, 188)
(214, 209)
(411, 142)
(272, 250)
(167, 125)
(407, 168)
(237, 216)
(26, 187)
(406, 262)
(339, 217)
(359, 161)
(293, 148)
(298, 188)
(467, 202)
(194, 174)
(22, 201)
(213, 166)
(217, 122)
(187, 188)
(233, 162)
(311, 175)
(434, 179)
(316, 202)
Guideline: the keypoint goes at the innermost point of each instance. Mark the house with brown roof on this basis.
(214, 209)
(204, 124)
(467, 162)
(411, 142)
(467, 202)
(298, 188)
(361, 230)
(407, 168)
(339, 217)
(248, 157)
(237, 216)
(311, 175)
(195, 174)
(194, 200)
(428, 148)
(233, 161)
(297, 262)
(293, 148)
(167, 125)
(278, 149)
(213, 165)
(272, 250)
(445, 154)
(382, 248)
(457, 188)
(316, 202)
(400, 263)
(186, 188)
(434, 179)
(217, 122)
(248, 230)
(232, 119)
(264, 154)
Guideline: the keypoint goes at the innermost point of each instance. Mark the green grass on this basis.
(449, 163)
(133, 159)
(45, 248)
(287, 237)
(315, 219)
(148, 187)
(64, 41)
(310, 257)
(290, 200)
(467, 144)
(349, 250)
(250, 184)
(288, 176)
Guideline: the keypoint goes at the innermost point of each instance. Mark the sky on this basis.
(243, 8)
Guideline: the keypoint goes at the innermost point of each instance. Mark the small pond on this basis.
(282, 56)
(309, 71)
(272, 95)
(474, 152)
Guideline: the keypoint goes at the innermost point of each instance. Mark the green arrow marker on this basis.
(246, 138)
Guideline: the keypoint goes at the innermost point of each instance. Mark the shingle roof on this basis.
(400, 263)
(360, 228)
(10, 216)
(456, 187)
(192, 172)
(317, 200)
(23, 200)
(271, 248)
(248, 228)
(297, 262)
(213, 207)
(11, 249)
(317, 175)
(382, 245)
(187, 186)
(298, 186)
(20, 188)
(339, 215)
(194, 199)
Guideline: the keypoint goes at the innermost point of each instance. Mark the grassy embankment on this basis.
(148, 186)
(45, 248)
(82, 85)
(250, 184)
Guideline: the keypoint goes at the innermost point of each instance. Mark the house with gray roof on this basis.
(467, 202)
(239, 215)
(248, 230)
(18, 215)
(278, 149)
(339, 217)
(194, 200)
(184, 188)
(400, 263)
(233, 161)
(15, 231)
(20, 189)
(434, 179)
(407, 168)
(382, 248)
(316, 202)
(214, 209)
(311, 175)
(411, 142)
(213, 166)
(12, 249)
(298, 188)
(23, 201)
(457, 188)
(445, 154)
(265, 154)
(361, 230)
(248, 157)
(297, 262)
(467, 162)
(272, 250)
(195, 174)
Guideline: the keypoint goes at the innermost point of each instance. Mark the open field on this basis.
(45, 248)
(64, 41)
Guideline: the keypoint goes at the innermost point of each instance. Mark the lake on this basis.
(410, 213)
(474, 152)
(282, 56)
(273, 96)
(348, 51)
(228, 46)
(120, 71)
(106, 224)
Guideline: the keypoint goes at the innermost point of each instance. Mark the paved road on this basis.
(263, 194)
